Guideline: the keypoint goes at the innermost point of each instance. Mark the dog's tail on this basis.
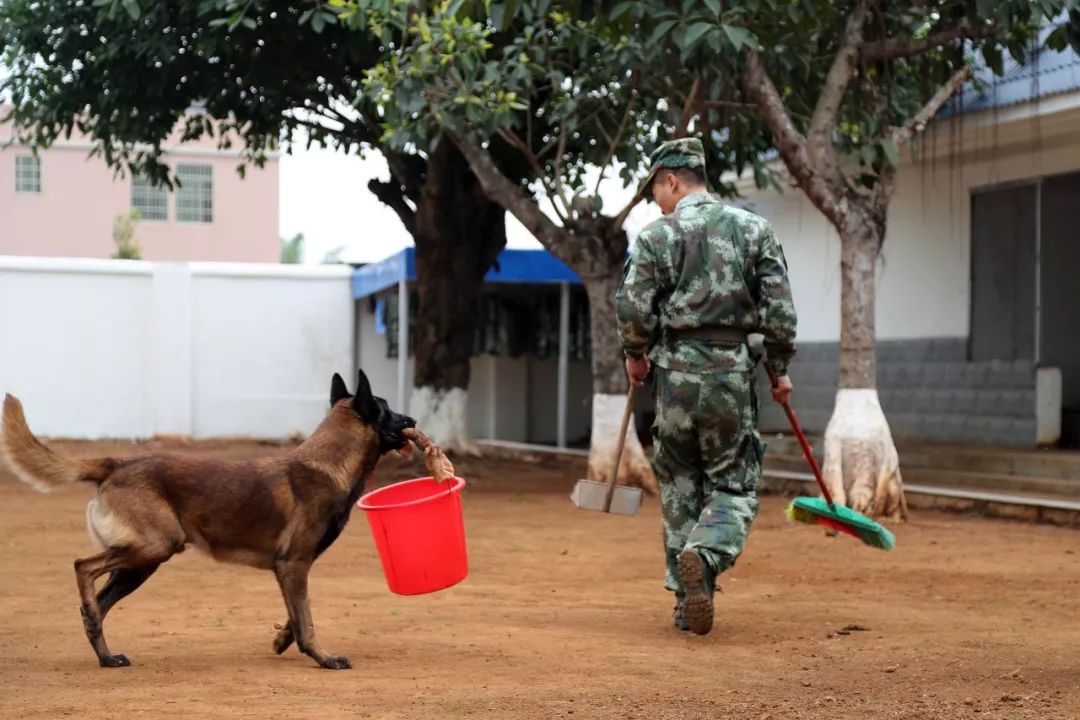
(37, 465)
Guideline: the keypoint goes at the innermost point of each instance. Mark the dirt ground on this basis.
(563, 615)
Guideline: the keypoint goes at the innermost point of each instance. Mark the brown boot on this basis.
(677, 618)
(699, 580)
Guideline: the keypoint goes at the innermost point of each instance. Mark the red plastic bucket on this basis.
(419, 533)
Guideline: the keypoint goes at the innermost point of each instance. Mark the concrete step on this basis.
(1025, 506)
(977, 481)
(1059, 464)
(1055, 464)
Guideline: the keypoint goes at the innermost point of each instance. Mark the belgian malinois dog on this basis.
(277, 513)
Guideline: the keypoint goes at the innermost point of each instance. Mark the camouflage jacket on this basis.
(705, 265)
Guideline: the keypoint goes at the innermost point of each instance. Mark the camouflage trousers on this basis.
(708, 463)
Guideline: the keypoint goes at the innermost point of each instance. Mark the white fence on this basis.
(129, 349)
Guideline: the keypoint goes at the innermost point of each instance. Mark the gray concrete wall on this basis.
(928, 391)
(1059, 269)
(1003, 273)
(542, 403)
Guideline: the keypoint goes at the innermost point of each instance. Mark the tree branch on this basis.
(620, 219)
(843, 67)
(729, 104)
(354, 129)
(361, 128)
(391, 195)
(555, 190)
(918, 123)
(690, 107)
(613, 144)
(759, 87)
(518, 144)
(547, 148)
(408, 170)
(822, 122)
(893, 48)
(312, 125)
(529, 127)
(789, 142)
(509, 195)
(560, 152)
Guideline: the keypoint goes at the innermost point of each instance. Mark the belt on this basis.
(718, 333)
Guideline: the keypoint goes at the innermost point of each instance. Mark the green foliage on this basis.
(548, 82)
(799, 40)
(292, 250)
(570, 87)
(127, 247)
(130, 73)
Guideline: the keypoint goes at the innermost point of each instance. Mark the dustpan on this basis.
(609, 497)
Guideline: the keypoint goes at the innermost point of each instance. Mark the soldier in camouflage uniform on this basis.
(697, 281)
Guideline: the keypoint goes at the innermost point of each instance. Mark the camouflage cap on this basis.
(680, 153)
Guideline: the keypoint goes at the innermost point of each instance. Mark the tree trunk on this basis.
(595, 248)
(458, 233)
(862, 467)
(860, 243)
(609, 391)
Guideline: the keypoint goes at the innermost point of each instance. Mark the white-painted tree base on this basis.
(442, 416)
(635, 469)
(862, 467)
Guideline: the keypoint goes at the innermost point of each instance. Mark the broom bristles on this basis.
(875, 535)
(809, 518)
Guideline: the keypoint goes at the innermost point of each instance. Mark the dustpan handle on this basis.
(619, 446)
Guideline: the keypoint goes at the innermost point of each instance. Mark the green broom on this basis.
(822, 510)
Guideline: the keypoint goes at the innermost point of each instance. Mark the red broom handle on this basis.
(807, 450)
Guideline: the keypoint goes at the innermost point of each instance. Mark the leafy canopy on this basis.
(127, 73)
(572, 89)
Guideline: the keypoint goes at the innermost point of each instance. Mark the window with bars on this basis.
(152, 201)
(195, 196)
(27, 174)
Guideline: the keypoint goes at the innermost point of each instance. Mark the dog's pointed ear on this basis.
(363, 401)
(338, 391)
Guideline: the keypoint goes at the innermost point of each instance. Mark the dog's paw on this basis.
(336, 663)
(283, 641)
(114, 661)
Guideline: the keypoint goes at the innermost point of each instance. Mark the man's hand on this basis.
(637, 369)
(781, 392)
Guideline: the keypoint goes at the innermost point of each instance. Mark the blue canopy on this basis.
(512, 266)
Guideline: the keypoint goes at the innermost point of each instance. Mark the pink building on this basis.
(63, 203)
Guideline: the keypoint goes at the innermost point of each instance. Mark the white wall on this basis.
(498, 388)
(381, 371)
(266, 346)
(99, 349)
(74, 345)
(924, 279)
